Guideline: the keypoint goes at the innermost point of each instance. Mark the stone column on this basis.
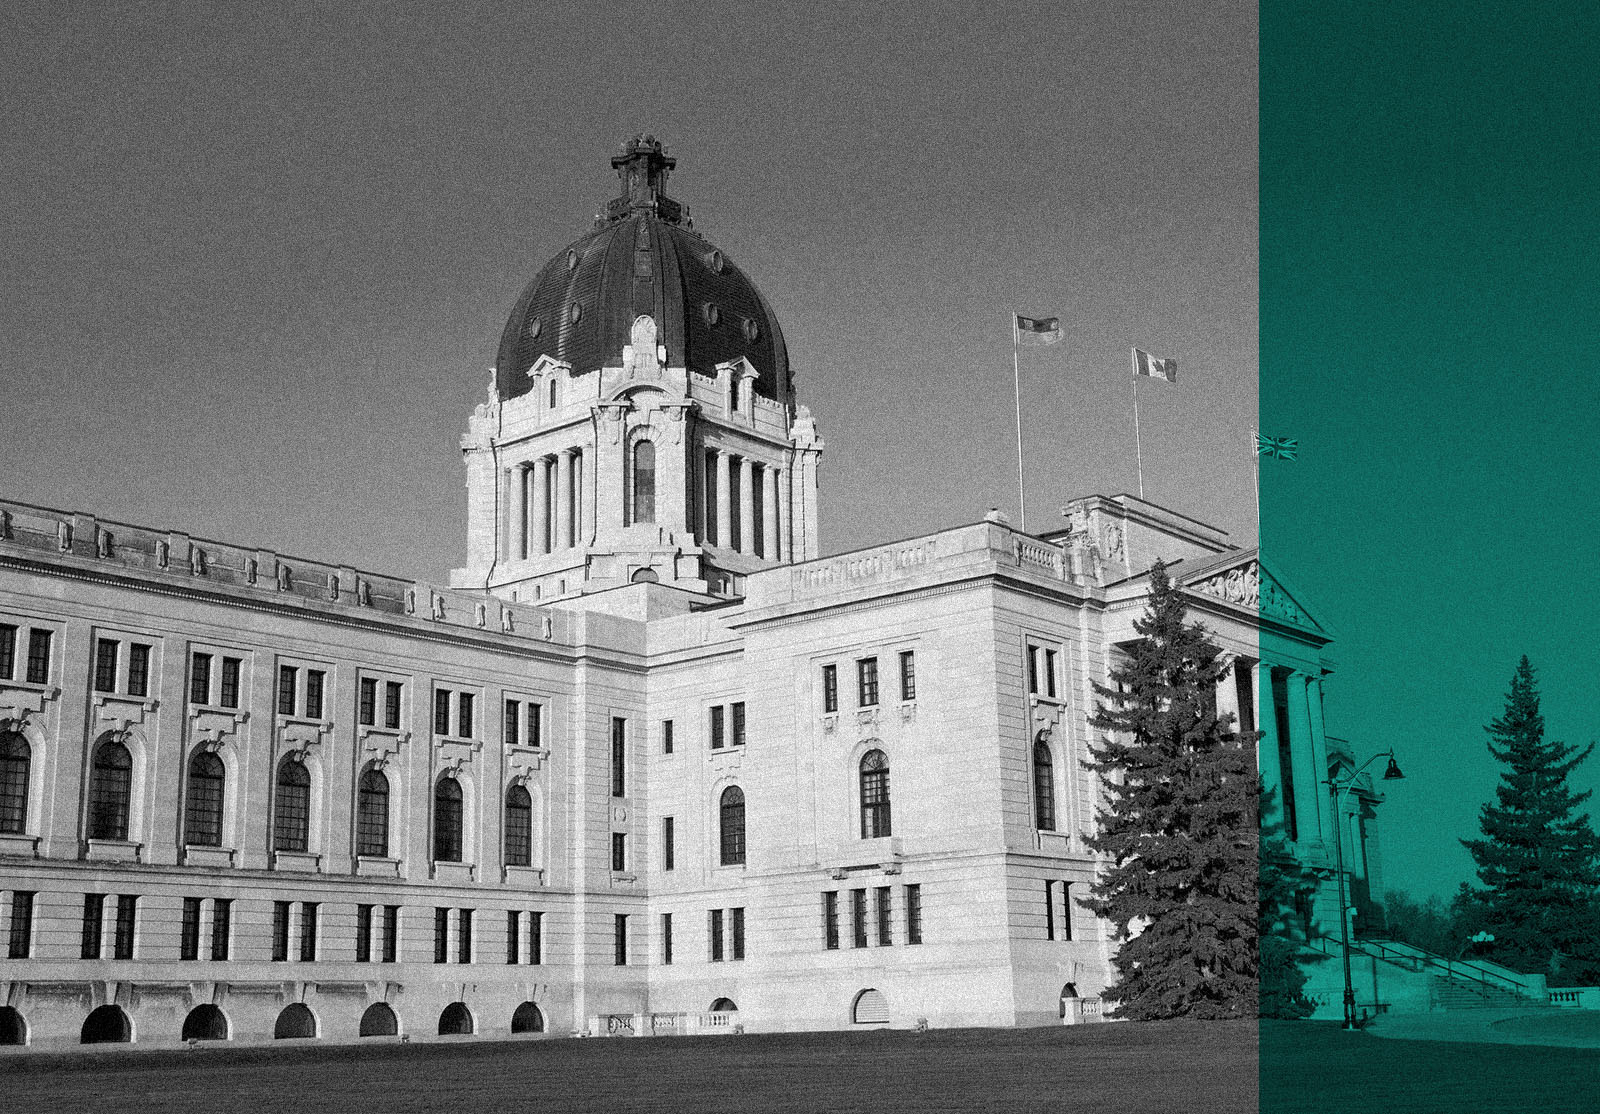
(524, 496)
(1228, 693)
(541, 506)
(811, 536)
(1272, 812)
(780, 512)
(769, 516)
(564, 491)
(1308, 781)
(747, 506)
(724, 523)
(1319, 752)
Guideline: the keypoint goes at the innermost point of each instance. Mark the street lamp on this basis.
(1390, 773)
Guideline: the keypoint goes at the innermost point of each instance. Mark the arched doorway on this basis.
(724, 1005)
(870, 1008)
(527, 1019)
(1069, 995)
(205, 1023)
(296, 1020)
(106, 1025)
(379, 1021)
(455, 1021)
(13, 1029)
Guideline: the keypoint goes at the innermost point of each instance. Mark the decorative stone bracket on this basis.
(215, 728)
(452, 754)
(21, 706)
(118, 714)
(380, 744)
(299, 736)
(524, 763)
(1044, 715)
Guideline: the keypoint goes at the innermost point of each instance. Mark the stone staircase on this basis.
(1462, 985)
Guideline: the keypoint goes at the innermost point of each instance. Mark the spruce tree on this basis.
(1179, 825)
(1539, 859)
(1280, 880)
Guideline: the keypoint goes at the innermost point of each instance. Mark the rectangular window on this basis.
(738, 932)
(94, 919)
(367, 703)
(138, 669)
(666, 939)
(513, 935)
(535, 725)
(1050, 673)
(464, 936)
(830, 919)
(363, 934)
(738, 723)
(717, 727)
(666, 736)
(221, 926)
(1066, 910)
(464, 721)
(127, 909)
(441, 935)
(288, 681)
(511, 728)
(189, 936)
(1033, 669)
(391, 933)
(39, 657)
(908, 675)
(619, 929)
(105, 665)
(21, 942)
(830, 688)
(200, 679)
(914, 914)
(8, 651)
(441, 711)
(315, 680)
(858, 917)
(535, 938)
(668, 841)
(280, 931)
(716, 935)
(885, 917)
(619, 756)
(308, 931)
(391, 705)
(229, 697)
(867, 681)
(1049, 910)
(619, 851)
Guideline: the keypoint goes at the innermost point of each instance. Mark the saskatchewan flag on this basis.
(1038, 330)
(1280, 448)
(1153, 366)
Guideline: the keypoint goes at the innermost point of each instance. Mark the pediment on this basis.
(1245, 583)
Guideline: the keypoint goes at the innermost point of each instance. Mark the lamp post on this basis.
(1392, 773)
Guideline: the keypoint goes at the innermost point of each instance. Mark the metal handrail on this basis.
(1424, 959)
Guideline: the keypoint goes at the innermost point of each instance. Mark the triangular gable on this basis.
(1240, 579)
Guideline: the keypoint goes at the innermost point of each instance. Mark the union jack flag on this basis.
(1281, 448)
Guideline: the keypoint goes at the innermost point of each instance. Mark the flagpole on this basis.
(1016, 380)
(1256, 472)
(1138, 445)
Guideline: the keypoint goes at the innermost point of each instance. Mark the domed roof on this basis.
(642, 257)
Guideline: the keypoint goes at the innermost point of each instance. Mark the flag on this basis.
(1154, 367)
(1038, 330)
(1280, 448)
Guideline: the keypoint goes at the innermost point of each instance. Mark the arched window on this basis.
(15, 758)
(732, 816)
(875, 820)
(110, 791)
(372, 814)
(870, 1008)
(552, 392)
(447, 817)
(644, 481)
(202, 802)
(1044, 788)
(291, 819)
(519, 827)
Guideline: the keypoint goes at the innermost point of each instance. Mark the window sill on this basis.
(23, 846)
(375, 866)
(114, 850)
(523, 877)
(454, 872)
(45, 689)
(301, 862)
(1053, 843)
(145, 703)
(207, 856)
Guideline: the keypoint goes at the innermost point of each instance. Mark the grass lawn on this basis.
(1097, 1069)
(1319, 1069)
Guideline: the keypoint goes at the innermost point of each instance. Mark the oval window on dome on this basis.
(534, 329)
(715, 262)
(574, 311)
(751, 329)
(711, 313)
(572, 260)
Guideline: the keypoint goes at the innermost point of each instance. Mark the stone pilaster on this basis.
(724, 504)
(541, 507)
(1308, 781)
(563, 500)
(1267, 760)
(747, 505)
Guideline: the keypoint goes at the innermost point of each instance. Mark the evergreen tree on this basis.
(1539, 859)
(1281, 879)
(1179, 825)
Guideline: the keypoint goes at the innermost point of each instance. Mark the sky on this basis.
(257, 260)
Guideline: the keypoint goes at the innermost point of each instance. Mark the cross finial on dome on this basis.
(643, 167)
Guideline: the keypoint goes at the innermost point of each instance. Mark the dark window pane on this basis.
(441, 935)
(738, 723)
(280, 931)
(391, 933)
(138, 669)
(464, 722)
(717, 737)
(666, 736)
(367, 702)
(519, 827)
(39, 657)
(447, 820)
(875, 817)
(1044, 789)
(511, 733)
(363, 933)
(716, 935)
(287, 683)
(127, 910)
(669, 849)
(644, 482)
(21, 942)
(464, 936)
(391, 705)
(513, 936)
(8, 651)
(229, 697)
(16, 760)
(189, 932)
(620, 938)
(666, 939)
(112, 783)
(732, 818)
(105, 665)
(221, 926)
(441, 711)
(914, 914)
(200, 679)
(291, 822)
(315, 679)
(536, 725)
(830, 688)
(308, 931)
(830, 919)
(619, 851)
(738, 933)
(202, 806)
(94, 916)
(867, 676)
(908, 675)
(885, 917)
(858, 917)
(619, 756)
(535, 937)
(372, 815)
